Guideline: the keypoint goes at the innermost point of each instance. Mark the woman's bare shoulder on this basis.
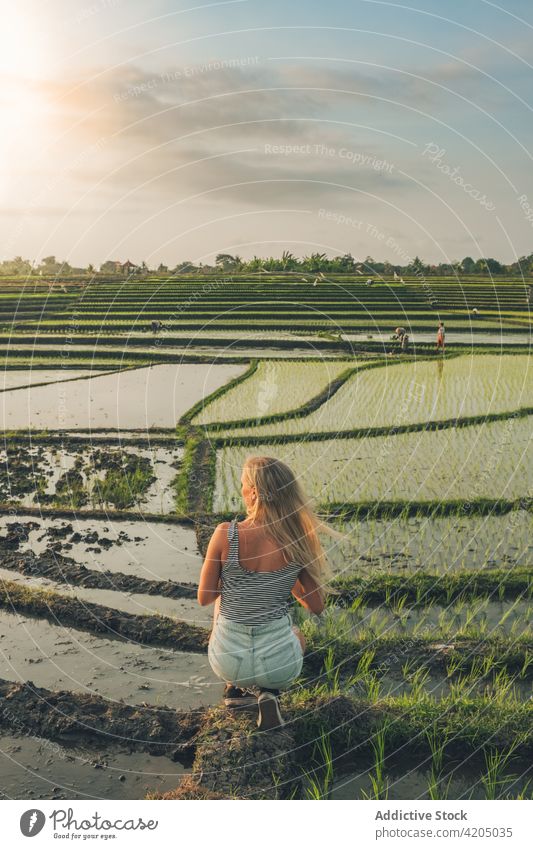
(221, 528)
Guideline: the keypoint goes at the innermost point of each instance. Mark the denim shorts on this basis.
(268, 655)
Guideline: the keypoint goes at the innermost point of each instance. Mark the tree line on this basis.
(314, 263)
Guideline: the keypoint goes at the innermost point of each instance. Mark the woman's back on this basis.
(256, 579)
(258, 552)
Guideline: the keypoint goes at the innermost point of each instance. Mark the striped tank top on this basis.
(253, 598)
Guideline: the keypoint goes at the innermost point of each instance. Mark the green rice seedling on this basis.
(419, 626)
(528, 661)
(438, 789)
(376, 626)
(408, 668)
(494, 778)
(470, 617)
(320, 786)
(449, 596)
(453, 665)
(445, 620)
(373, 687)
(380, 788)
(419, 595)
(475, 674)
(332, 672)
(418, 681)
(508, 612)
(460, 688)
(399, 611)
(365, 662)
(437, 740)
(352, 682)
(356, 604)
(503, 689)
(525, 793)
(480, 666)
(482, 627)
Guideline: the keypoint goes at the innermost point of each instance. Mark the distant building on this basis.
(127, 267)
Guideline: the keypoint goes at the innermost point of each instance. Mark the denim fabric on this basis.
(268, 655)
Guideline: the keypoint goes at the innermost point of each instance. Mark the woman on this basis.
(250, 570)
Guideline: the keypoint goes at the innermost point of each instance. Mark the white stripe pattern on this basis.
(253, 598)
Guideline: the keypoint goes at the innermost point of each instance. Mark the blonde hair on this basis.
(283, 509)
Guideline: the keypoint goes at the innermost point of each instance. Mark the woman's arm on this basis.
(306, 592)
(208, 586)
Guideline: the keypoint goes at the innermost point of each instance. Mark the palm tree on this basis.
(315, 262)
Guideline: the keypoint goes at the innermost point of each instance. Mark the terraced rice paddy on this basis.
(417, 680)
(439, 544)
(97, 477)
(140, 398)
(409, 393)
(450, 464)
(19, 378)
(272, 388)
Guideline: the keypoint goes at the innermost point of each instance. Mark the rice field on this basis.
(449, 464)
(439, 544)
(410, 393)
(89, 478)
(138, 398)
(273, 388)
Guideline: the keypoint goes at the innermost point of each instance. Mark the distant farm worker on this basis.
(369, 282)
(475, 312)
(156, 326)
(405, 342)
(441, 336)
(399, 333)
(251, 568)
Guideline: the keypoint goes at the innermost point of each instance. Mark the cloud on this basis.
(134, 137)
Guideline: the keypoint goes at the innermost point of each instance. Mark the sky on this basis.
(172, 131)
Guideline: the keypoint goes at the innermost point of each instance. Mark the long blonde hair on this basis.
(283, 509)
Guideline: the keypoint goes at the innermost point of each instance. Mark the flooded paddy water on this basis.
(150, 550)
(155, 396)
(13, 378)
(60, 657)
(485, 615)
(90, 477)
(419, 783)
(35, 768)
(440, 544)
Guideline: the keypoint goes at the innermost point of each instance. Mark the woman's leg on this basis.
(300, 637)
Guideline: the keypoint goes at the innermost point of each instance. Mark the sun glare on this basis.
(21, 49)
(22, 98)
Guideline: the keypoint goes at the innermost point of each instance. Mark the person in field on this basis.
(400, 334)
(441, 337)
(250, 571)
